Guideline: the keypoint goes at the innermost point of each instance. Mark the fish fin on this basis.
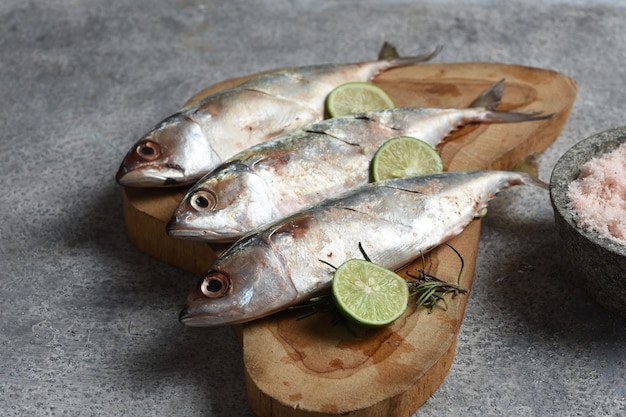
(491, 97)
(388, 51)
(255, 161)
(515, 117)
(397, 61)
(529, 166)
(296, 228)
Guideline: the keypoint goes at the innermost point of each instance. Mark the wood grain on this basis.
(309, 367)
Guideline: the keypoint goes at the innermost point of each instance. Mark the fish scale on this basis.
(186, 145)
(300, 169)
(286, 262)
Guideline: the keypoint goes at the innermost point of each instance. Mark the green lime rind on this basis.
(356, 97)
(403, 157)
(369, 294)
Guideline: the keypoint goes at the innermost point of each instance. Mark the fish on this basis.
(290, 261)
(183, 147)
(281, 176)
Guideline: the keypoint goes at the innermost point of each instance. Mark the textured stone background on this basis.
(88, 323)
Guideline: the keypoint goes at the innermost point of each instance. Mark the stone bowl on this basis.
(599, 263)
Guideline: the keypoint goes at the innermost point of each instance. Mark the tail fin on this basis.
(529, 166)
(389, 53)
(515, 117)
(491, 98)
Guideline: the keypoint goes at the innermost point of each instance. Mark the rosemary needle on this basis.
(428, 290)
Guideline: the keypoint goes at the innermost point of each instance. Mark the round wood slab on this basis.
(311, 367)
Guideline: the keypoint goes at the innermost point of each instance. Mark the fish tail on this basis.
(491, 97)
(529, 166)
(514, 117)
(389, 53)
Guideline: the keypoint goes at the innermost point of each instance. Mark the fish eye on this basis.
(148, 150)
(215, 285)
(203, 200)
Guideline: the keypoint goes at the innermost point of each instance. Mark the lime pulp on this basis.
(403, 157)
(356, 97)
(369, 294)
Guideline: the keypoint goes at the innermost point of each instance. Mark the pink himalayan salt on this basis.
(598, 195)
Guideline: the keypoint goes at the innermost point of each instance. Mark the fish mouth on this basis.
(188, 319)
(197, 313)
(179, 231)
(147, 177)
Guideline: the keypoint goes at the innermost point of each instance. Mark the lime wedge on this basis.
(356, 97)
(369, 294)
(403, 157)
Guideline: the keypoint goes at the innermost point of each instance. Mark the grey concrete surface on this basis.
(89, 324)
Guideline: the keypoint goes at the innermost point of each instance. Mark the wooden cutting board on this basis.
(309, 367)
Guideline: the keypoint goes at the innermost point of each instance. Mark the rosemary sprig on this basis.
(320, 304)
(324, 304)
(428, 289)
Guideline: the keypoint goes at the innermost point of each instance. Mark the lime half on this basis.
(356, 97)
(369, 294)
(403, 157)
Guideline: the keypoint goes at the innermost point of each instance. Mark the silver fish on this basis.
(285, 263)
(185, 146)
(276, 178)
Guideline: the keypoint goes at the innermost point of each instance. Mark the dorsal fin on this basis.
(529, 166)
(388, 51)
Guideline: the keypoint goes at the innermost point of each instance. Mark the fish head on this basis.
(247, 282)
(224, 205)
(175, 152)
